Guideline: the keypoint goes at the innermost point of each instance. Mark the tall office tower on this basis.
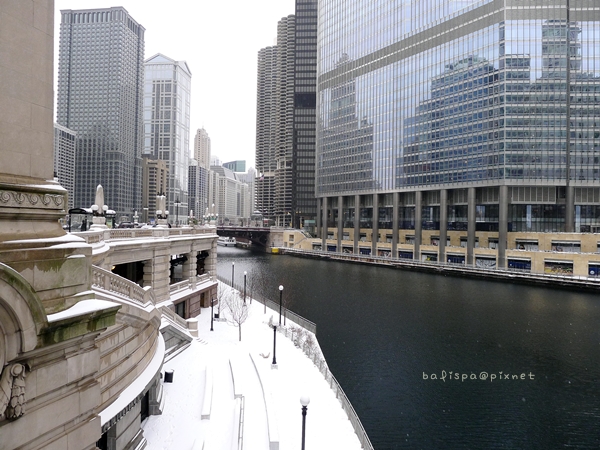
(167, 125)
(100, 82)
(447, 126)
(266, 103)
(156, 181)
(286, 102)
(230, 195)
(64, 159)
(304, 203)
(202, 156)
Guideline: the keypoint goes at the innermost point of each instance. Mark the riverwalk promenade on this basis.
(227, 393)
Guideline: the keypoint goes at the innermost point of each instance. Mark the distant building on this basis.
(156, 176)
(100, 83)
(230, 196)
(64, 159)
(167, 125)
(236, 166)
(202, 157)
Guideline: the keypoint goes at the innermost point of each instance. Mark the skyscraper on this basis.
(64, 159)
(167, 125)
(460, 124)
(202, 158)
(100, 81)
(285, 137)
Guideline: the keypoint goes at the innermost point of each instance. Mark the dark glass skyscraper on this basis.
(445, 122)
(100, 85)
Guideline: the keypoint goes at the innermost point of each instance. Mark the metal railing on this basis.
(289, 315)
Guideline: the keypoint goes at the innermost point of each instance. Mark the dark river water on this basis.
(412, 350)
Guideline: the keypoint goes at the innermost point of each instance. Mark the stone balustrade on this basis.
(118, 285)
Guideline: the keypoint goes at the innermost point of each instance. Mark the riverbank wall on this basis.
(514, 276)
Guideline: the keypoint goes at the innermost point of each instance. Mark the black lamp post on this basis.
(244, 287)
(280, 302)
(177, 203)
(304, 401)
(232, 272)
(212, 312)
(274, 344)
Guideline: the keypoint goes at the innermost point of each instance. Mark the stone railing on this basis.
(173, 317)
(122, 287)
(189, 283)
(97, 236)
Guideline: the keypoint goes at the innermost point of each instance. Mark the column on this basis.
(319, 208)
(502, 226)
(375, 229)
(471, 216)
(395, 200)
(340, 224)
(570, 209)
(356, 222)
(418, 224)
(443, 224)
(325, 225)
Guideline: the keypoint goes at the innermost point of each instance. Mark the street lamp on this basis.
(280, 302)
(244, 287)
(232, 272)
(212, 312)
(177, 203)
(145, 214)
(274, 363)
(304, 401)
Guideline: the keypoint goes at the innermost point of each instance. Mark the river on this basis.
(412, 350)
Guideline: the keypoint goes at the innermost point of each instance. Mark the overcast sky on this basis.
(220, 40)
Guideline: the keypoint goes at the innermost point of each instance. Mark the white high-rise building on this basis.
(167, 126)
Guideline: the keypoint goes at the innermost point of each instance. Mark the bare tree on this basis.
(222, 292)
(238, 310)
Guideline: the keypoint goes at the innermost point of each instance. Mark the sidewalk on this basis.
(270, 414)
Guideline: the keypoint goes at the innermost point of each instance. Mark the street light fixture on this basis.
(304, 401)
(177, 203)
(212, 312)
(244, 287)
(280, 302)
(274, 363)
(232, 272)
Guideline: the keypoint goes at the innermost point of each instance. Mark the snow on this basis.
(217, 360)
(82, 308)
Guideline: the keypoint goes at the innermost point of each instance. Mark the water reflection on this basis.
(382, 329)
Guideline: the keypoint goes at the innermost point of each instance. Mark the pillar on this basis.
(395, 209)
(325, 225)
(319, 208)
(356, 222)
(418, 224)
(502, 226)
(570, 209)
(375, 229)
(443, 224)
(340, 224)
(471, 217)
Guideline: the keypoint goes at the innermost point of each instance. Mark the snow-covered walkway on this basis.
(271, 397)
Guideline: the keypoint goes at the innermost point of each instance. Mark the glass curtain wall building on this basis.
(446, 126)
(167, 126)
(100, 82)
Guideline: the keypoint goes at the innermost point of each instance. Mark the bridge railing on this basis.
(97, 236)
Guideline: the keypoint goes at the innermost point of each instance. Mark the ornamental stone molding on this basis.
(19, 199)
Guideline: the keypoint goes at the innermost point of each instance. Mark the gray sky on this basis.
(220, 40)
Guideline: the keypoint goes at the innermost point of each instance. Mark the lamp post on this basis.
(145, 214)
(232, 272)
(274, 344)
(280, 302)
(212, 312)
(177, 203)
(244, 287)
(304, 401)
